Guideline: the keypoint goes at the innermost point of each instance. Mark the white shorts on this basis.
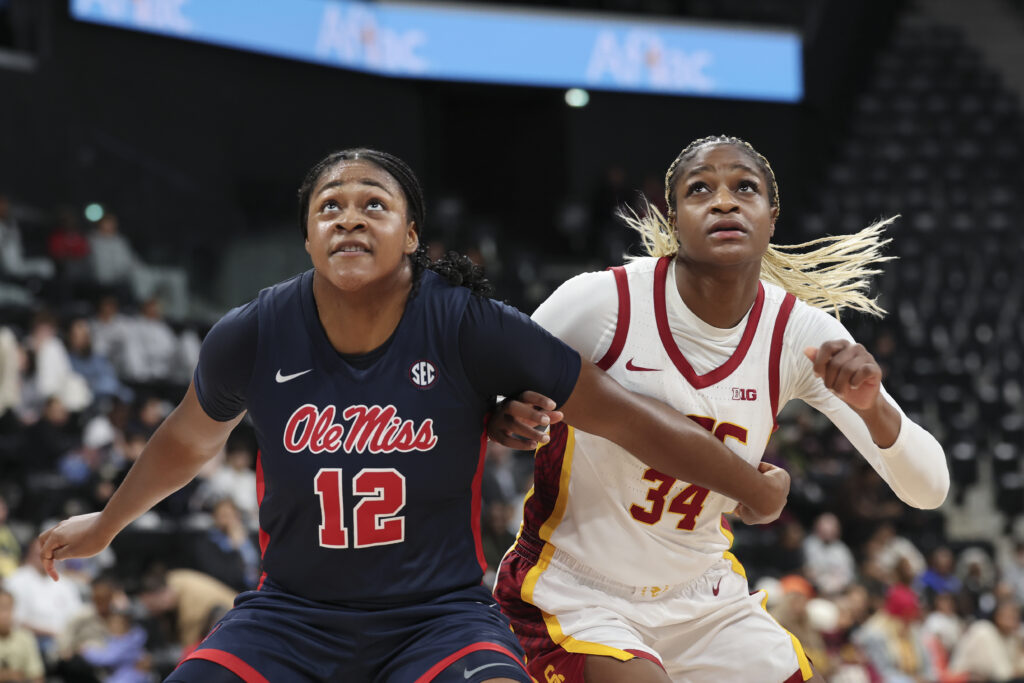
(709, 629)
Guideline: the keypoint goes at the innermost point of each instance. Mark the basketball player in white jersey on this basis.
(621, 573)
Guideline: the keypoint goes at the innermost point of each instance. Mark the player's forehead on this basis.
(357, 173)
(720, 157)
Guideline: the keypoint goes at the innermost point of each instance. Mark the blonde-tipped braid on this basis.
(834, 274)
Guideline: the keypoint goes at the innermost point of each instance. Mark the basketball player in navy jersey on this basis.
(368, 380)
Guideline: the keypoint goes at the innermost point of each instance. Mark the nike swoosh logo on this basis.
(637, 368)
(469, 673)
(714, 590)
(281, 379)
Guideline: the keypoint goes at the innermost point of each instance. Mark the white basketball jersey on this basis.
(596, 503)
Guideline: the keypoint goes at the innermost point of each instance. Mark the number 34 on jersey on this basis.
(689, 502)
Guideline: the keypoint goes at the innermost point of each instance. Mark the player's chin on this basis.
(349, 279)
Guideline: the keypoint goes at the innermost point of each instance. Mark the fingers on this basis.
(842, 365)
(541, 401)
(765, 466)
(48, 552)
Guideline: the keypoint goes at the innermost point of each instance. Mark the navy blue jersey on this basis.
(370, 467)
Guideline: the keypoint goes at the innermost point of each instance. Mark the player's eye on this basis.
(375, 204)
(749, 186)
(329, 205)
(699, 186)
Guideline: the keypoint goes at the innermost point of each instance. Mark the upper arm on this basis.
(226, 361)
(504, 352)
(582, 312)
(195, 430)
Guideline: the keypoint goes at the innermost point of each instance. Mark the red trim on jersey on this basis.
(231, 662)
(261, 488)
(263, 577)
(683, 365)
(797, 677)
(775, 357)
(621, 323)
(474, 518)
(475, 647)
(648, 656)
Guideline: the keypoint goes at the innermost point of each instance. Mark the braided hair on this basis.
(830, 272)
(458, 269)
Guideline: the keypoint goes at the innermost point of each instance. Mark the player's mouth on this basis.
(350, 248)
(727, 228)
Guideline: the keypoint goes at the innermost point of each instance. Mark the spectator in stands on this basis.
(190, 597)
(13, 262)
(69, 249)
(120, 657)
(89, 626)
(42, 605)
(889, 548)
(829, 563)
(891, 639)
(10, 548)
(940, 576)
(227, 552)
(53, 375)
(1012, 569)
(942, 629)
(236, 479)
(152, 349)
(977, 574)
(19, 653)
(97, 370)
(12, 361)
(117, 268)
(48, 439)
(112, 260)
(111, 334)
(495, 536)
(992, 650)
(791, 612)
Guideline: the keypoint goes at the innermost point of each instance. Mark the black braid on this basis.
(671, 176)
(456, 268)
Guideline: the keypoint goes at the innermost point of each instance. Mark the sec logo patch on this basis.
(423, 374)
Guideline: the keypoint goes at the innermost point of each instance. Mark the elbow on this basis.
(936, 494)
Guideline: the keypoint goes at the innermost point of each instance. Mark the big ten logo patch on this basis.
(552, 676)
(739, 394)
(423, 374)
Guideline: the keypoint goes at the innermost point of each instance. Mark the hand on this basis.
(79, 536)
(776, 482)
(521, 423)
(848, 371)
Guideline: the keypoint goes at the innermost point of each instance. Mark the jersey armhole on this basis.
(621, 322)
(775, 357)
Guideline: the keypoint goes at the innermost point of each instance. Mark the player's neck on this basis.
(359, 322)
(718, 296)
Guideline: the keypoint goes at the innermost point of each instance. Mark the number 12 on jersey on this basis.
(376, 522)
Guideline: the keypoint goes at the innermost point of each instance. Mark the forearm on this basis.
(165, 465)
(913, 464)
(883, 422)
(664, 439)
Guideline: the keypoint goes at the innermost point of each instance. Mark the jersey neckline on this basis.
(676, 354)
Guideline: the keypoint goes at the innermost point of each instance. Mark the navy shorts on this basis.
(271, 635)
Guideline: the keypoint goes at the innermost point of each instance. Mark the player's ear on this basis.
(774, 216)
(412, 238)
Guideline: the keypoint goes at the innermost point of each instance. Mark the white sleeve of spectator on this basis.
(582, 312)
(914, 466)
